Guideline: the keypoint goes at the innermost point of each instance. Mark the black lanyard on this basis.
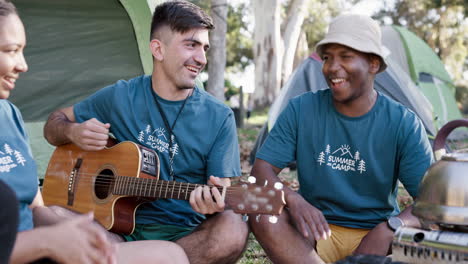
(169, 128)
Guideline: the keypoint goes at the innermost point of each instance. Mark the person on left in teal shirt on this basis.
(58, 239)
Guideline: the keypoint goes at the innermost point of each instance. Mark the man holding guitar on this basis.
(193, 134)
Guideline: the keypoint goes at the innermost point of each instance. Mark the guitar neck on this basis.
(153, 188)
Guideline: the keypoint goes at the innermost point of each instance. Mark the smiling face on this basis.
(349, 73)
(12, 62)
(180, 57)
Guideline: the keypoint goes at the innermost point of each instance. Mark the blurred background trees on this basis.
(276, 35)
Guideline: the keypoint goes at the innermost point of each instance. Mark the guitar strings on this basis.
(138, 184)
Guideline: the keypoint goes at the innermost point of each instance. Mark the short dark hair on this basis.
(7, 8)
(180, 16)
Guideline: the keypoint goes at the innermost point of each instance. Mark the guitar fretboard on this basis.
(152, 188)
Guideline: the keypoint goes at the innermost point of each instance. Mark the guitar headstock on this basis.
(249, 198)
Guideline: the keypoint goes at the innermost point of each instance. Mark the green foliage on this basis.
(230, 89)
(461, 96)
(239, 52)
(316, 22)
(238, 39)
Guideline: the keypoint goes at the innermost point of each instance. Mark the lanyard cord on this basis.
(170, 129)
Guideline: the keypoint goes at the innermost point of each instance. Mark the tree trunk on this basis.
(268, 51)
(302, 51)
(292, 31)
(217, 51)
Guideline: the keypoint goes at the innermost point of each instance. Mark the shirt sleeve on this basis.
(415, 154)
(223, 158)
(279, 148)
(99, 105)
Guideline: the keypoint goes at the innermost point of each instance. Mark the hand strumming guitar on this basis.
(90, 135)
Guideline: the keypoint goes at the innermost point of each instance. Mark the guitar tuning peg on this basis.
(245, 217)
(252, 179)
(257, 218)
(278, 186)
(266, 182)
(273, 219)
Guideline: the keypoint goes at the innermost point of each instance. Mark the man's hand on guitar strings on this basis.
(208, 200)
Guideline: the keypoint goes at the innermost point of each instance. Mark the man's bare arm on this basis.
(61, 128)
(57, 126)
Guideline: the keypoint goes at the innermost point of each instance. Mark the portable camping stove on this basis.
(411, 245)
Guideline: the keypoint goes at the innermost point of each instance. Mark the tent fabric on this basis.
(392, 41)
(399, 86)
(74, 48)
(445, 105)
(141, 15)
(427, 72)
(421, 58)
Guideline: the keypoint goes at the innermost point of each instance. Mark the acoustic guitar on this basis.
(114, 181)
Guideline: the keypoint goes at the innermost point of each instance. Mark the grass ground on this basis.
(254, 253)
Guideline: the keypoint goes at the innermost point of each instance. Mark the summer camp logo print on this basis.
(157, 139)
(10, 158)
(342, 159)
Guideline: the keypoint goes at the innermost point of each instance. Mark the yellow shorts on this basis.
(342, 243)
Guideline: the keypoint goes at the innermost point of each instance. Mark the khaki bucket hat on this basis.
(358, 32)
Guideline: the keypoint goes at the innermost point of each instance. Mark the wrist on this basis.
(395, 222)
(45, 250)
(291, 196)
(69, 128)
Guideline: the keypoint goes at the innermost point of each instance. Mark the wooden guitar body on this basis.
(82, 181)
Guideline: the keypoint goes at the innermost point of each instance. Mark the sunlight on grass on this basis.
(258, 118)
(254, 253)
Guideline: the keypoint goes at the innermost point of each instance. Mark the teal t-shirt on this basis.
(17, 166)
(348, 167)
(205, 139)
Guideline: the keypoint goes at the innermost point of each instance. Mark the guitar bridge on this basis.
(72, 181)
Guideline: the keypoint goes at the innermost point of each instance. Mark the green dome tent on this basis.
(73, 49)
(426, 70)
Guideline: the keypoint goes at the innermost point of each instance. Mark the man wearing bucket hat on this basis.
(351, 144)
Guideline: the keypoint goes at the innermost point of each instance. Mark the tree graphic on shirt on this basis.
(148, 129)
(362, 166)
(141, 136)
(357, 155)
(321, 158)
(8, 149)
(19, 158)
(327, 149)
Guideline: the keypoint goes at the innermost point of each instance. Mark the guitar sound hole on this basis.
(103, 183)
